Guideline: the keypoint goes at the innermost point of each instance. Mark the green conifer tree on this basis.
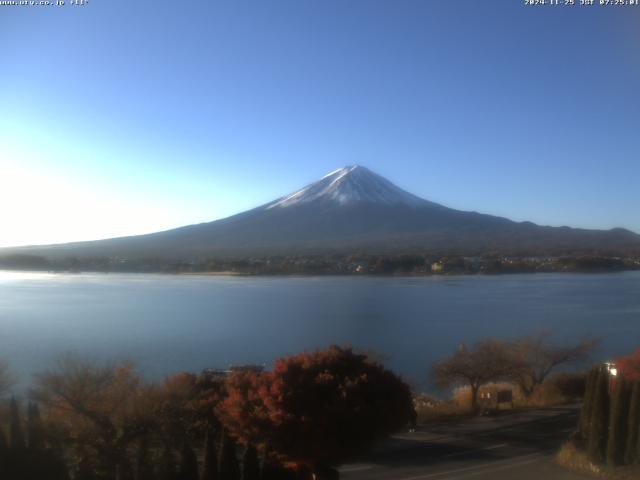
(633, 426)
(144, 466)
(210, 464)
(4, 453)
(16, 436)
(188, 463)
(619, 417)
(587, 406)
(250, 464)
(35, 433)
(228, 467)
(598, 431)
(4, 446)
(168, 469)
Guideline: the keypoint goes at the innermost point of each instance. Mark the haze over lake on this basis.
(172, 323)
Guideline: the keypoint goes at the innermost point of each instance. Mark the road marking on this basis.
(506, 463)
(355, 468)
(428, 437)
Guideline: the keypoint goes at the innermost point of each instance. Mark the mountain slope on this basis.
(351, 209)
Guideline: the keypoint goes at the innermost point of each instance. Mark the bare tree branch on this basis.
(487, 361)
(536, 356)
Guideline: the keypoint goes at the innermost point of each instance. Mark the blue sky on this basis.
(124, 117)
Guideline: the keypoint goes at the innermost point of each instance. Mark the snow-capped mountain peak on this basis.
(350, 185)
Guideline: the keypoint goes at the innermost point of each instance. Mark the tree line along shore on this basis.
(334, 264)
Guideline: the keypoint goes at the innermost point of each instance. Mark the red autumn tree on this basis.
(317, 409)
(242, 410)
(629, 366)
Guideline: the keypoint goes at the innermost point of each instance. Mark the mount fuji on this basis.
(351, 209)
(350, 185)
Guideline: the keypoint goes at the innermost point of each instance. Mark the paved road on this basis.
(514, 446)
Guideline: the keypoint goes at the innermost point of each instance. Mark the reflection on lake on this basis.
(171, 323)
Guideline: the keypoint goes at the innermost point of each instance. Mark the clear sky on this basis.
(130, 116)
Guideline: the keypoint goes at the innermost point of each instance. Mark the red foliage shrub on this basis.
(629, 366)
(242, 410)
(317, 409)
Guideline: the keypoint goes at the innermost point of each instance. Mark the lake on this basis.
(172, 323)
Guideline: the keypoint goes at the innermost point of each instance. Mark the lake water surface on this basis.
(172, 323)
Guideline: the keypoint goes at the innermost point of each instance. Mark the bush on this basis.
(318, 409)
(570, 456)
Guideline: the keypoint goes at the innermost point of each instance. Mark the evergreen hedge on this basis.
(609, 425)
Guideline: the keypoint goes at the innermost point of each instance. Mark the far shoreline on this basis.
(319, 275)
